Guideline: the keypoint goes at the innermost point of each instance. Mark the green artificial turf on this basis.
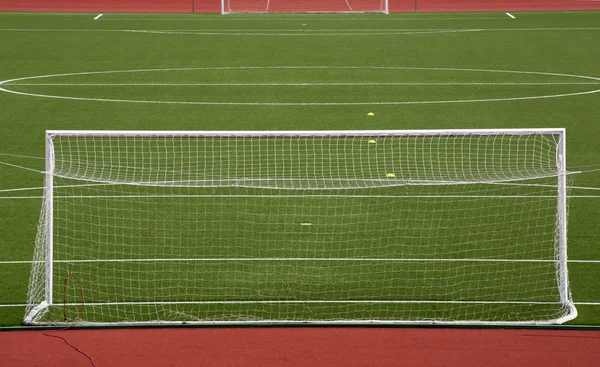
(296, 72)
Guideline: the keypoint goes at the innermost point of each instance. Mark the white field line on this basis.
(310, 33)
(22, 156)
(22, 189)
(287, 19)
(511, 16)
(535, 97)
(251, 259)
(175, 196)
(98, 16)
(20, 167)
(302, 32)
(14, 305)
(219, 103)
(298, 84)
(307, 301)
(301, 196)
(317, 195)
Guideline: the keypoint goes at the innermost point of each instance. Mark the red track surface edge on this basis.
(214, 6)
(323, 346)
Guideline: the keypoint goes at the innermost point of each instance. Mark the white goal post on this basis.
(304, 6)
(295, 227)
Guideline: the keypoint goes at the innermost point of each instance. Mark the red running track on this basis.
(214, 6)
(313, 347)
(505, 5)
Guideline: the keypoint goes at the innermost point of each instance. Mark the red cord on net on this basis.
(49, 332)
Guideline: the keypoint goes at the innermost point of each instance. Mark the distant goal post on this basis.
(304, 6)
(295, 227)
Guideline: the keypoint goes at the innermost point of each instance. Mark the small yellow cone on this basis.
(390, 175)
(370, 114)
(372, 141)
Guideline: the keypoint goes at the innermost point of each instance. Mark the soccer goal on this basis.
(353, 227)
(304, 6)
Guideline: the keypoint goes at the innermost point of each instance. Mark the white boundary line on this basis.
(8, 81)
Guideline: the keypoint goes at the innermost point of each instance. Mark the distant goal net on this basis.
(304, 6)
(353, 227)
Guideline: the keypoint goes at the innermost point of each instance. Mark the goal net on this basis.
(304, 6)
(462, 226)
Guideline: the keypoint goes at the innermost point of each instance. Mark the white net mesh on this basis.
(304, 6)
(351, 227)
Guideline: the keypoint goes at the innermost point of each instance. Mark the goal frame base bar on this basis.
(28, 321)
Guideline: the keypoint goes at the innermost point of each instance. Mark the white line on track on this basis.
(348, 4)
(511, 16)
(98, 16)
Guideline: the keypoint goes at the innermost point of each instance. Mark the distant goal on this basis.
(304, 6)
(294, 227)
